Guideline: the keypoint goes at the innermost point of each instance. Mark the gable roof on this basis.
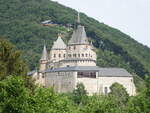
(59, 44)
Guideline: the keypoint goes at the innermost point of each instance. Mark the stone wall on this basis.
(67, 81)
(61, 81)
(90, 84)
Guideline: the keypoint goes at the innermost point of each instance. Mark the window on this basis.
(54, 55)
(74, 47)
(86, 55)
(69, 48)
(59, 55)
(69, 55)
(86, 74)
(82, 55)
(64, 55)
(42, 76)
(78, 55)
(105, 90)
(74, 55)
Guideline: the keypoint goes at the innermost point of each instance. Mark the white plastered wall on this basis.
(127, 82)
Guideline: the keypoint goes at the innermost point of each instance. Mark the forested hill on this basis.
(20, 23)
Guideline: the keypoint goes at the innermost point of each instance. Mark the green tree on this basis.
(119, 93)
(141, 102)
(10, 60)
(100, 104)
(79, 95)
(14, 96)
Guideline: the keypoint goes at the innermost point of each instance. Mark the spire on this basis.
(79, 34)
(44, 53)
(78, 20)
(59, 43)
(92, 45)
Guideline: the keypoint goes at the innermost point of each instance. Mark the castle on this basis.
(67, 65)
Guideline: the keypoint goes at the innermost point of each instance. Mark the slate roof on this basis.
(31, 72)
(74, 68)
(79, 36)
(59, 44)
(104, 72)
(44, 53)
(113, 72)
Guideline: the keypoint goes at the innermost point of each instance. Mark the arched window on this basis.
(54, 55)
(59, 55)
(86, 55)
(64, 55)
(69, 55)
(74, 55)
(69, 47)
(105, 90)
(74, 47)
(82, 55)
(78, 55)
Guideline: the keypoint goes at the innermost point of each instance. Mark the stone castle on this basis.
(67, 65)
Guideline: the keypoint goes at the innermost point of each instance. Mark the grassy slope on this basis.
(20, 23)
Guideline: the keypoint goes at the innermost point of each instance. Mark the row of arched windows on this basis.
(73, 55)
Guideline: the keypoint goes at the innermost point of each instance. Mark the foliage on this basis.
(20, 22)
(119, 93)
(141, 102)
(13, 96)
(10, 60)
(16, 98)
(79, 95)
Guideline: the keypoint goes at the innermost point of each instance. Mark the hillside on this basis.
(20, 23)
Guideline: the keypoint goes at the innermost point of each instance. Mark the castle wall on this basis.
(61, 81)
(127, 82)
(67, 81)
(90, 84)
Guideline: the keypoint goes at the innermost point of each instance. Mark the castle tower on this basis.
(44, 59)
(79, 50)
(58, 52)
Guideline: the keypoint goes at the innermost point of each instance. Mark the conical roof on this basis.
(79, 36)
(59, 44)
(44, 53)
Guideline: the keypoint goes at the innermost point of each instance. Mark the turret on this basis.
(58, 52)
(44, 59)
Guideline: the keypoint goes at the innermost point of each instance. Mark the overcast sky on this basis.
(130, 16)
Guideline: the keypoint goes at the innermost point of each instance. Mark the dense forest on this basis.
(19, 94)
(20, 23)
